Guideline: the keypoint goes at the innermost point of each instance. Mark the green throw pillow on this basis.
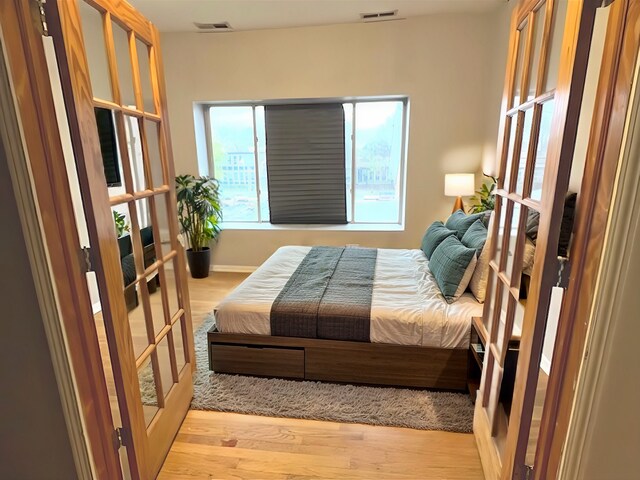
(475, 237)
(434, 235)
(460, 222)
(452, 264)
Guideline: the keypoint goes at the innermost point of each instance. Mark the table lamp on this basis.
(459, 185)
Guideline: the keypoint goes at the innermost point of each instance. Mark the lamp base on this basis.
(458, 205)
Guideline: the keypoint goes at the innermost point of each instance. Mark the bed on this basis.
(414, 337)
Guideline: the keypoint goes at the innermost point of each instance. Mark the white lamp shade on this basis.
(459, 184)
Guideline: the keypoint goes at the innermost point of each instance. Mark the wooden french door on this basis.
(111, 72)
(549, 46)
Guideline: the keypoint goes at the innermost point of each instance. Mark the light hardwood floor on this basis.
(232, 446)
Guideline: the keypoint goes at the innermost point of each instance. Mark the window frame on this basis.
(351, 192)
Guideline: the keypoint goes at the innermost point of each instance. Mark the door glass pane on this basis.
(514, 233)
(234, 162)
(145, 76)
(178, 342)
(147, 245)
(134, 147)
(152, 137)
(123, 59)
(555, 45)
(541, 151)
(148, 391)
(378, 155)
(154, 287)
(162, 216)
(164, 363)
(171, 288)
(95, 46)
(522, 45)
(110, 150)
(524, 150)
(262, 164)
(502, 220)
(492, 299)
(538, 31)
(513, 129)
(544, 371)
(505, 301)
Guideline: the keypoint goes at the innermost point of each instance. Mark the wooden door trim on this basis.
(64, 24)
(606, 139)
(32, 87)
(573, 68)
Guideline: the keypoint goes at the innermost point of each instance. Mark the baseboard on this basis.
(233, 268)
(545, 364)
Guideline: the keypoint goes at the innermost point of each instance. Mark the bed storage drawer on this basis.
(258, 360)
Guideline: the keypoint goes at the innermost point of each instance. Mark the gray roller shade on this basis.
(306, 163)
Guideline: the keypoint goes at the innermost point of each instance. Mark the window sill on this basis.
(351, 227)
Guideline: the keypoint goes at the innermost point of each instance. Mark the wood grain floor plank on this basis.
(216, 445)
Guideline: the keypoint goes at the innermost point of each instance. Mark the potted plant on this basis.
(120, 222)
(199, 215)
(484, 200)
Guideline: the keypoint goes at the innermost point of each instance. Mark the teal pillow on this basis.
(475, 237)
(460, 222)
(452, 266)
(434, 235)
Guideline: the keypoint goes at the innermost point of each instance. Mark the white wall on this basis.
(442, 62)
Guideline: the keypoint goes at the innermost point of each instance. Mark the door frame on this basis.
(22, 33)
(613, 97)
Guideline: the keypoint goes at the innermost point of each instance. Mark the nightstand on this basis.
(477, 343)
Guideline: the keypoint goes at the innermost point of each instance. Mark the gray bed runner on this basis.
(328, 296)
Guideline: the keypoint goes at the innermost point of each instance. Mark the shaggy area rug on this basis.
(396, 407)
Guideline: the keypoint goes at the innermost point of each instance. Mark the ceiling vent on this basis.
(379, 16)
(213, 27)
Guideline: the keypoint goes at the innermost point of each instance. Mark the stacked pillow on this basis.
(457, 255)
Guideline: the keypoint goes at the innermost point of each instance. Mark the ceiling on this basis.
(179, 15)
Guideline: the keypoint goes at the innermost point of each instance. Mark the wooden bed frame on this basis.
(338, 361)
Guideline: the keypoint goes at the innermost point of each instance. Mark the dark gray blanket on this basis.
(328, 296)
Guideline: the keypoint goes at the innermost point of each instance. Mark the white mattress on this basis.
(407, 307)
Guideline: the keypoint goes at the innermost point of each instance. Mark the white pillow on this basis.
(466, 278)
(478, 283)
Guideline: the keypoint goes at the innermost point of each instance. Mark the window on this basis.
(370, 159)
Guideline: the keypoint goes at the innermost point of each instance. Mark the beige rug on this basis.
(397, 407)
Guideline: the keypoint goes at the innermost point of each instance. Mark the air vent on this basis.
(379, 16)
(214, 27)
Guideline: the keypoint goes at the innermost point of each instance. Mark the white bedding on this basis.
(407, 307)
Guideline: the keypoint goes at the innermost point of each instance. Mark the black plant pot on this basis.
(199, 262)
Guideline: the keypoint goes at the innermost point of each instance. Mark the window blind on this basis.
(306, 163)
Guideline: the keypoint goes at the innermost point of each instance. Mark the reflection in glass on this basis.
(152, 137)
(171, 288)
(147, 242)
(513, 128)
(164, 362)
(154, 287)
(148, 391)
(178, 342)
(555, 45)
(262, 164)
(108, 137)
(514, 230)
(502, 220)
(232, 136)
(541, 151)
(505, 301)
(524, 150)
(492, 299)
(162, 216)
(94, 42)
(145, 76)
(123, 59)
(538, 33)
(522, 45)
(134, 147)
(378, 157)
